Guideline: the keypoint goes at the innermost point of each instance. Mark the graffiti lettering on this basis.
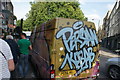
(84, 36)
(75, 39)
(79, 58)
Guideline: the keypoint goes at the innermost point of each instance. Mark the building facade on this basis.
(105, 29)
(6, 16)
(111, 27)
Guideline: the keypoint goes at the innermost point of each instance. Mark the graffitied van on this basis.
(66, 48)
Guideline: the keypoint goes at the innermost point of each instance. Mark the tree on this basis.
(18, 22)
(43, 11)
(26, 24)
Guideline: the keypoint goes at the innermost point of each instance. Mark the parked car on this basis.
(65, 48)
(117, 51)
(113, 68)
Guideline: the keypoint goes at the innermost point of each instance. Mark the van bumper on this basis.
(93, 77)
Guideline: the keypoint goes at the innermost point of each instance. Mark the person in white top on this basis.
(6, 60)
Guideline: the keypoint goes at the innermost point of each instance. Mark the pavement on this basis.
(31, 72)
(108, 53)
(30, 75)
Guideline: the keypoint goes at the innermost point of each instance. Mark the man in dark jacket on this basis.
(14, 47)
(15, 51)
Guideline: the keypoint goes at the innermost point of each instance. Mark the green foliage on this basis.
(26, 24)
(43, 11)
(18, 23)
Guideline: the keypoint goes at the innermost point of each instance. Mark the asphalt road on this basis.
(103, 74)
(104, 56)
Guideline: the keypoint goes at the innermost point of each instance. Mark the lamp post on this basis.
(98, 23)
(21, 25)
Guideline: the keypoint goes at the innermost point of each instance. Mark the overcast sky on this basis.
(93, 9)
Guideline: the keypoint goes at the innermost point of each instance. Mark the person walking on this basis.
(6, 60)
(24, 46)
(14, 47)
(15, 52)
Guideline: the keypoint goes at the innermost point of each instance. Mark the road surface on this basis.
(103, 74)
(104, 55)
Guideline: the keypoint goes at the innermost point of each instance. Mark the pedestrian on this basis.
(14, 47)
(6, 60)
(15, 52)
(24, 46)
(2, 36)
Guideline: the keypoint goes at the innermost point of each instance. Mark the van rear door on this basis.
(76, 49)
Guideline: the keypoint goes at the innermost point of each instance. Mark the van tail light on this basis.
(97, 63)
(97, 66)
(52, 74)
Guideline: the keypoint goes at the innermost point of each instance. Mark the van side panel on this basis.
(43, 48)
(49, 36)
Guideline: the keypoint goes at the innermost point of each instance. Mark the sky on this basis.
(95, 10)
